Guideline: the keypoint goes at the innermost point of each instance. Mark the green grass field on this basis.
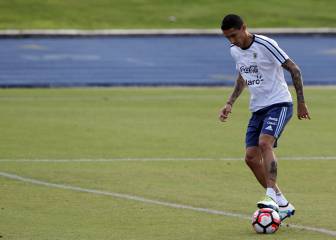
(155, 123)
(100, 14)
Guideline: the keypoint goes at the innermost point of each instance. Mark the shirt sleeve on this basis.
(277, 55)
(234, 57)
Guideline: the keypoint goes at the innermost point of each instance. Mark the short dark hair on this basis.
(232, 21)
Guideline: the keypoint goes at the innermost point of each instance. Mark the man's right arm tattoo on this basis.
(238, 89)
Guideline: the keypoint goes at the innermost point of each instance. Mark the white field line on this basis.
(150, 201)
(153, 159)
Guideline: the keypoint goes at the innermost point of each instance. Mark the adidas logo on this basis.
(269, 128)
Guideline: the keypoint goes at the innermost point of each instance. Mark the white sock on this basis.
(271, 193)
(281, 200)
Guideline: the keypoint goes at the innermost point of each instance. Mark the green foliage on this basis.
(102, 14)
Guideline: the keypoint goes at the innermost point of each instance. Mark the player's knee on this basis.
(251, 159)
(265, 145)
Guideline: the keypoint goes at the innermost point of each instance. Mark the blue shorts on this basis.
(270, 120)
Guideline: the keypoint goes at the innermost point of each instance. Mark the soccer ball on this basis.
(266, 220)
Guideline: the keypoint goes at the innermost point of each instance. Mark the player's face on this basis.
(235, 36)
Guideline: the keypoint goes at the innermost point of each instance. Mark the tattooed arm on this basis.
(302, 110)
(238, 89)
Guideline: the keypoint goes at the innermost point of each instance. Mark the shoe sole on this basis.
(288, 215)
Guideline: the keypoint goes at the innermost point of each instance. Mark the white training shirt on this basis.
(260, 66)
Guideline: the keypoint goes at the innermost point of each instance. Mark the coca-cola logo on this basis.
(249, 69)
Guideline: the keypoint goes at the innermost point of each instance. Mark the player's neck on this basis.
(248, 40)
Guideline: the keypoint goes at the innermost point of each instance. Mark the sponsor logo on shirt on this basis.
(255, 78)
(249, 69)
(253, 82)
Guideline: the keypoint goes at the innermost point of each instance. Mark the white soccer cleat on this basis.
(268, 202)
(286, 211)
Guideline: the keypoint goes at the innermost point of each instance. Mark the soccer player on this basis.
(260, 62)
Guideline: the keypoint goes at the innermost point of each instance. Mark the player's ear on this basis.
(243, 27)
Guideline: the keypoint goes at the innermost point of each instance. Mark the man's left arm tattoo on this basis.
(295, 72)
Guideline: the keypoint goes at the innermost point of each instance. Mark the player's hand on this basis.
(224, 113)
(302, 111)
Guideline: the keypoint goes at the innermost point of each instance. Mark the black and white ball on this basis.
(266, 220)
